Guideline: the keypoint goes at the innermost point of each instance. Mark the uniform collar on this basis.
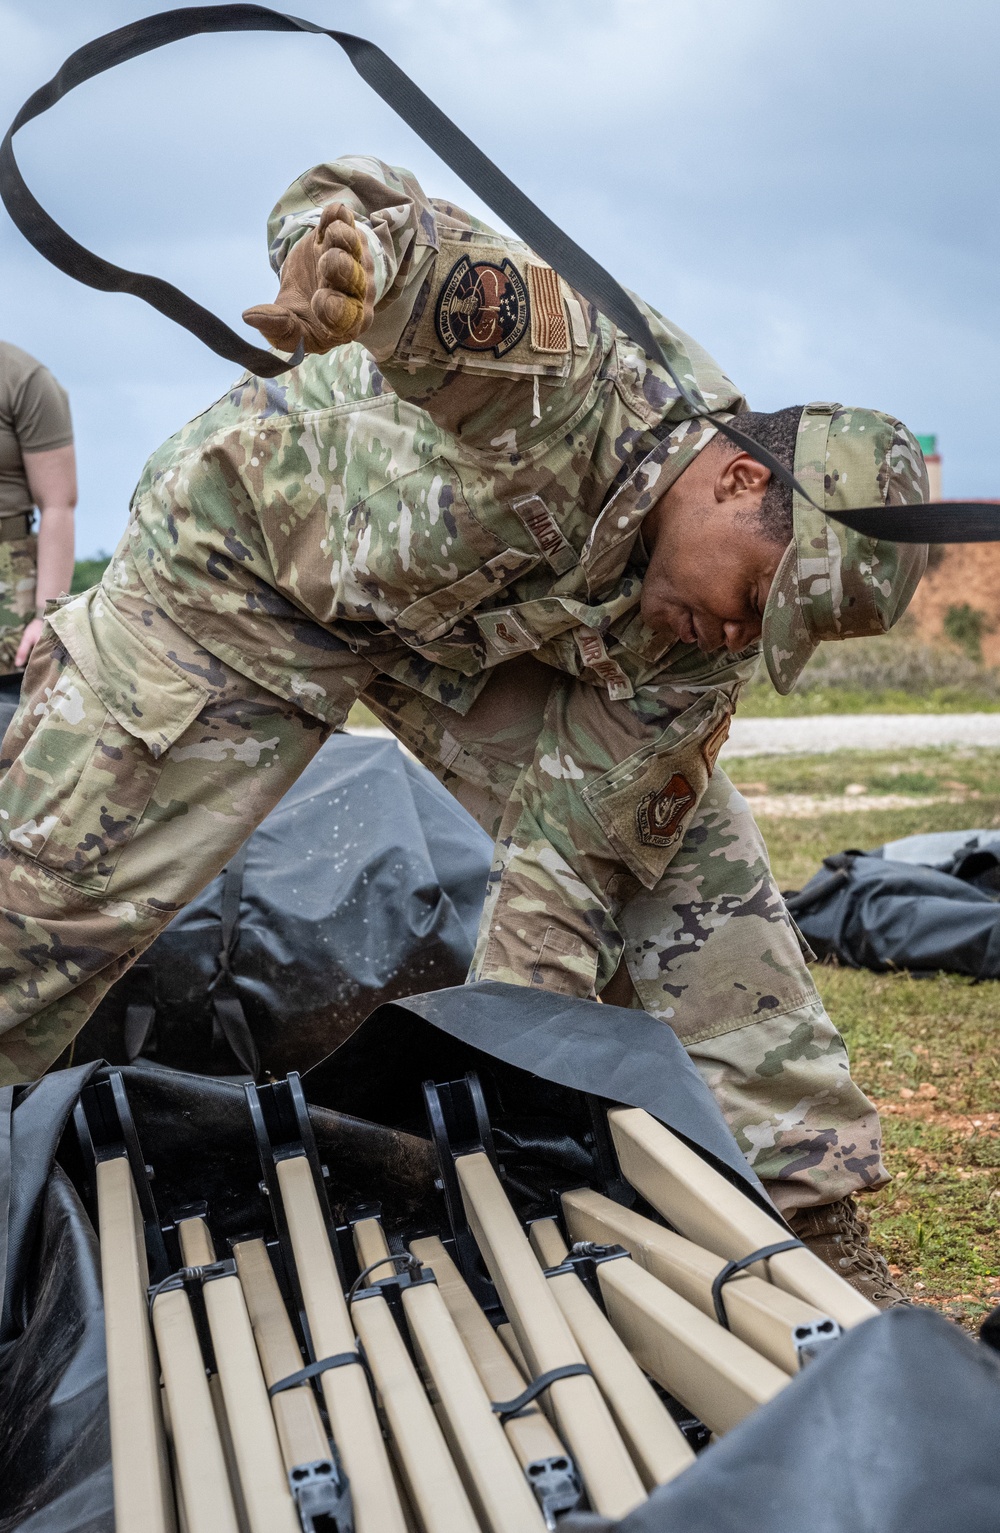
(613, 536)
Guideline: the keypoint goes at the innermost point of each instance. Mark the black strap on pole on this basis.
(506, 1409)
(948, 521)
(731, 1269)
(313, 1370)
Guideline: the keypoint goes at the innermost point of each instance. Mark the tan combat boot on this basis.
(838, 1234)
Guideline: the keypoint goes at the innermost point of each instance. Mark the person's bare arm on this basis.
(52, 481)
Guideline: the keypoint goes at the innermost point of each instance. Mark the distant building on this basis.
(928, 446)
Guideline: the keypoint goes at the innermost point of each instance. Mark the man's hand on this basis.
(327, 294)
(29, 639)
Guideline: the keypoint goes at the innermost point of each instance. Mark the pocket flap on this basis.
(429, 618)
(147, 694)
(645, 804)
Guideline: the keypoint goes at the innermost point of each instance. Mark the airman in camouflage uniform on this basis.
(445, 521)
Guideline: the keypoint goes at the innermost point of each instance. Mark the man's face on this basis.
(710, 565)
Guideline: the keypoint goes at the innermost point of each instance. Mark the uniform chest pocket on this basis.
(87, 760)
(413, 538)
(646, 803)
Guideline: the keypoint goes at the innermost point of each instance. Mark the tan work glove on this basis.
(327, 293)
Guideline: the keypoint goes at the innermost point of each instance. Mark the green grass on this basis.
(87, 572)
(925, 1050)
(892, 674)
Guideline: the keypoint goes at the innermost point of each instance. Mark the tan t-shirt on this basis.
(34, 417)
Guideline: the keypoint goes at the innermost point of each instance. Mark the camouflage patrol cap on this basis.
(833, 583)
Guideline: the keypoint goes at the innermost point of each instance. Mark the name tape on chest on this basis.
(596, 658)
(541, 526)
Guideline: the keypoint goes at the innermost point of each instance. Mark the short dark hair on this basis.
(776, 432)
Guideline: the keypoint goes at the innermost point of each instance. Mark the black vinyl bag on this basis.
(364, 883)
(886, 910)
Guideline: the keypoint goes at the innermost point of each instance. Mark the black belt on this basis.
(944, 521)
(14, 527)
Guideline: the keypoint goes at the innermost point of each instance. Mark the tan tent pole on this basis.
(348, 1400)
(229, 1452)
(512, 1346)
(658, 1447)
(700, 1203)
(491, 1474)
(709, 1370)
(583, 1420)
(301, 1433)
(140, 1471)
(538, 1450)
(201, 1465)
(775, 1323)
(430, 1478)
(263, 1480)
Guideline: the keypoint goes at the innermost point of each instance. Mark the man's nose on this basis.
(741, 635)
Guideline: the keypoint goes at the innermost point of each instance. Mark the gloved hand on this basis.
(327, 293)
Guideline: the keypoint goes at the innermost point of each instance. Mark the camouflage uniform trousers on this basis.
(710, 950)
(18, 571)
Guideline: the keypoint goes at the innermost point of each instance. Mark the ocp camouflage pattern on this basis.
(418, 522)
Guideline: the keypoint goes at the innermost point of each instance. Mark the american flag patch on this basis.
(549, 331)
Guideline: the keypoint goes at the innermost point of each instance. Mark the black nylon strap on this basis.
(416, 109)
(946, 522)
(505, 1409)
(338, 1360)
(732, 1268)
(227, 1008)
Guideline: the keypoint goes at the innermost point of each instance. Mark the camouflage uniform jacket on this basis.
(466, 486)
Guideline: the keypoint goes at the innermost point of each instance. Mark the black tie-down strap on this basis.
(312, 1370)
(228, 1017)
(505, 1409)
(949, 521)
(732, 1268)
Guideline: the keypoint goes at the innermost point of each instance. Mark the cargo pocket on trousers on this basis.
(80, 784)
(645, 804)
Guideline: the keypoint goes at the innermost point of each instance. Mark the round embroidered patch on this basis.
(482, 307)
(659, 815)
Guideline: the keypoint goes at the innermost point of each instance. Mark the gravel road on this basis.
(817, 734)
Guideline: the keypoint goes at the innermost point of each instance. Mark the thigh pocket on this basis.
(100, 723)
(645, 804)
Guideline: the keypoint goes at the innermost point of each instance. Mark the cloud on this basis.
(806, 189)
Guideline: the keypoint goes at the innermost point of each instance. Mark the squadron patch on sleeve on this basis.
(659, 815)
(482, 307)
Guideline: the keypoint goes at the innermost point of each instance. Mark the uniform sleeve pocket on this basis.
(645, 804)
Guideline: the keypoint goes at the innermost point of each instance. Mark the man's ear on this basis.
(741, 475)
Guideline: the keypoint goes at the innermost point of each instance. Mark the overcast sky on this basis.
(809, 189)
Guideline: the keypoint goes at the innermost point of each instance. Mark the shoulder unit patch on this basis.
(482, 307)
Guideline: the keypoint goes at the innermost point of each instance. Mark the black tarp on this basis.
(925, 904)
(895, 1431)
(364, 883)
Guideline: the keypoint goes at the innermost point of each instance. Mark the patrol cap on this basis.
(833, 583)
